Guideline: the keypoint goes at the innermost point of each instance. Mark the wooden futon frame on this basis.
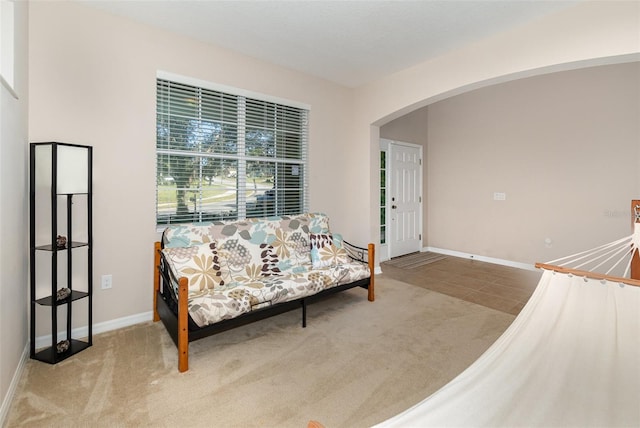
(174, 312)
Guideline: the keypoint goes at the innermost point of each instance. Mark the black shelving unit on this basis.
(61, 173)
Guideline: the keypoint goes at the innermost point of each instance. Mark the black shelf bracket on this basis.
(61, 173)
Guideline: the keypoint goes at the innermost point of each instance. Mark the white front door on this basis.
(405, 198)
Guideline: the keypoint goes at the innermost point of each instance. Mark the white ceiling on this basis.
(347, 42)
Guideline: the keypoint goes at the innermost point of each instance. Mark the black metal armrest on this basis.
(356, 253)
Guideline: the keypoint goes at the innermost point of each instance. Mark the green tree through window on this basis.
(226, 156)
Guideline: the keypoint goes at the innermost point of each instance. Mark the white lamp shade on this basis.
(72, 168)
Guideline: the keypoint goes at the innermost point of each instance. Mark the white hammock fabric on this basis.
(613, 258)
(570, 358)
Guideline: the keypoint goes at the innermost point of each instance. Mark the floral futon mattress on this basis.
(234, 267)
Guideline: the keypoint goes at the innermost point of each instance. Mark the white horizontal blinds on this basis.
(276, 138)
(225, 156)
(195, 129)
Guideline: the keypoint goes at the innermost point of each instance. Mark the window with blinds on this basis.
(223, 156)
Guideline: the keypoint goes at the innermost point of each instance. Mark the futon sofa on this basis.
(210, 277)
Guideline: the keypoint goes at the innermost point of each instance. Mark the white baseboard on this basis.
(43, 341)
(480, 258)
(102, 327)
(8, 398)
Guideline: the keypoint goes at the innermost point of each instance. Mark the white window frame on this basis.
(7, 46)
(241, 171)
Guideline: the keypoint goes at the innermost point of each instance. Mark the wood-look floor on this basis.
(503, 288)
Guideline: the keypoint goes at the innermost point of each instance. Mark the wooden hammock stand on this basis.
(635, 259)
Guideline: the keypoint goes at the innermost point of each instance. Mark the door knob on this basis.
(393, 207)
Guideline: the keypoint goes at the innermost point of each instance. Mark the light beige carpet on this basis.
(356, 364)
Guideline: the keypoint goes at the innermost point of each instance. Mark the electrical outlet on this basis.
(499, 196)
(107, 282)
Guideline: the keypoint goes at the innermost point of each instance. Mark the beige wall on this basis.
(587, 34)
(92, 77)
(410, 128)
(14, 247)
(564, 148)
(92, 80)
(98, 89)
